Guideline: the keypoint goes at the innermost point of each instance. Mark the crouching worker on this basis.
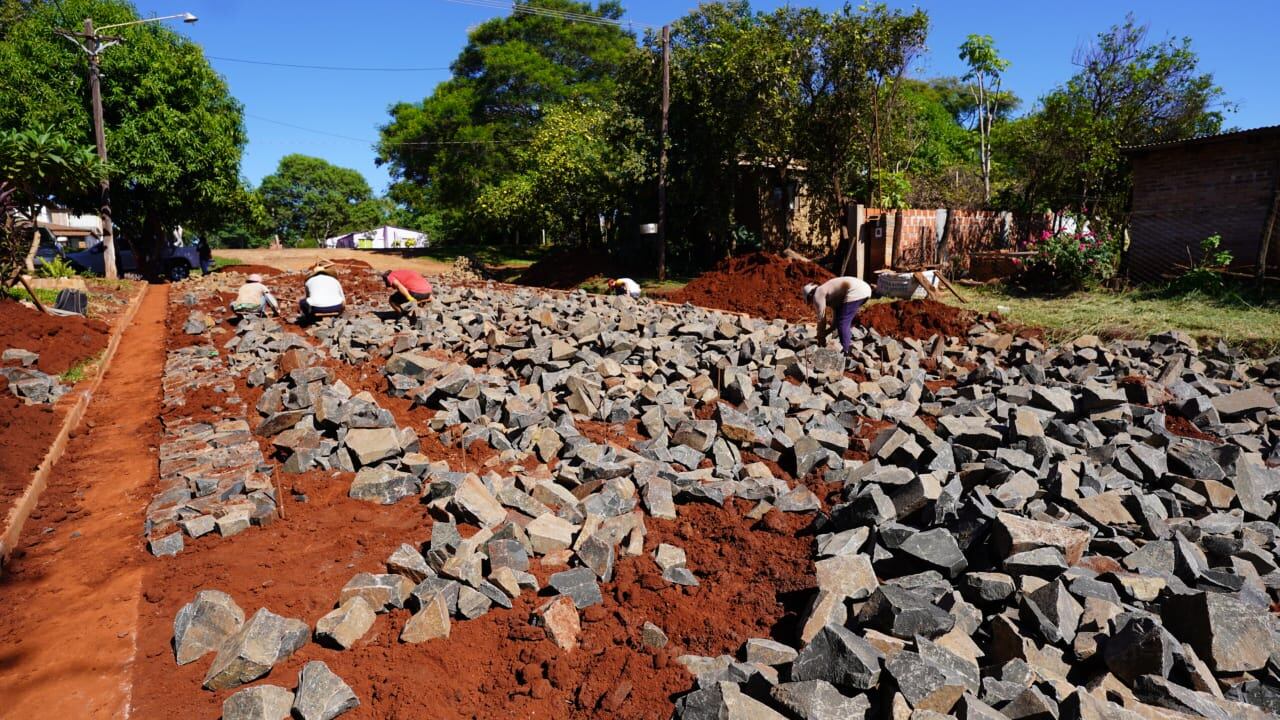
(407, 288)
(844, 296)
(324, 293)
(253, 298)
(625, 286)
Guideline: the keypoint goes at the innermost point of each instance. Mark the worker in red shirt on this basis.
(406, 284)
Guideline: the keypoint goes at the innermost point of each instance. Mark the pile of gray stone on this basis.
(213, 477)
(1023, 537)
(247, 650)
(28, 382)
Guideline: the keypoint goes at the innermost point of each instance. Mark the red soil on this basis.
(352, 262)
(61, 341)
(760, 284)
(72, 585)
(1179, 425)
(567, 270)
(919, 319)
(246, 269)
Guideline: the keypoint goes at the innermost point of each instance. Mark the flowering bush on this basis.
(1066, 261)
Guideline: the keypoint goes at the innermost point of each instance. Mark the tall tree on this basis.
(985, 70)
(174, 133)
(1127, 91)
(307, 198)
(465, 136)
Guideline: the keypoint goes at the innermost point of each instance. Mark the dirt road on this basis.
(301, 259)
(72, 589)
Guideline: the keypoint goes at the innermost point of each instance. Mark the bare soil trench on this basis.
(71, 589)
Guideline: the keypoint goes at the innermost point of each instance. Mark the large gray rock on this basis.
(1226, 633)
(321, 695)
(203, 624)
(369, 445)
(926, 685)
(1248, 400)
(819, 700)
(839, 657)
(904, 614)
(346, 624)
(383, 485)
(263, 641)
(260, 702)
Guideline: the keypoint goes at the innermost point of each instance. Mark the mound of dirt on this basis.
(760, 284)
(61, 341)
(919, 319)
(248, 269)
(567, 270)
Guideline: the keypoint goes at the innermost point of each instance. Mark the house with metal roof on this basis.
(1186, 190)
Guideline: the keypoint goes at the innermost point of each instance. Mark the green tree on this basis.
(44, 169)
(174, 133)
(466, 135)
(1127, 91)
(308, 198)
(985, 70)
(574, 173)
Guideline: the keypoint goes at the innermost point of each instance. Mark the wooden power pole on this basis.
(92, 47)
(662, 154)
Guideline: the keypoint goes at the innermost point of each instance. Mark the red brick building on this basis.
(1187, 190)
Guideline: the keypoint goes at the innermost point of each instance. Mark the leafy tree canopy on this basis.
(308, 198)
(467, 134)
(174, 133)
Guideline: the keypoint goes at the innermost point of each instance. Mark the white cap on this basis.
(255, 277)
(809, 289)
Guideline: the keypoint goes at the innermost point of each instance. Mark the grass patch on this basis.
(80, 370)
(599, 285)
(220, 262)
(46, 297)
(1251, 324)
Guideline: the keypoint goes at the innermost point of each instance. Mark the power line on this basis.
(375, 142)
(342, 68)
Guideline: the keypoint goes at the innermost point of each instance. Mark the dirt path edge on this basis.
(21, 510)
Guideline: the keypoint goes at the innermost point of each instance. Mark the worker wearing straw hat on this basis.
(254, 297)
(844, 296)
(324, 292)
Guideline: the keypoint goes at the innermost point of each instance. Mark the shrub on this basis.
(1206, 277)
(1066, 261)
(56, 268)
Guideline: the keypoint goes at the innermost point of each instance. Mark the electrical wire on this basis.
(376, 142)
(342, 68)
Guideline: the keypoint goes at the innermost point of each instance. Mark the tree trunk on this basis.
(35, 241)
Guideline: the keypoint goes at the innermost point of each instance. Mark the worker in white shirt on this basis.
(844, 296)
(324, 292)
(254, 298)
(625, 286)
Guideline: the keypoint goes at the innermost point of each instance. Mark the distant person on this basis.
(844, 296)
(406, 284)
(324, 292)
(254, 298)
(205, 254)
(625, 286)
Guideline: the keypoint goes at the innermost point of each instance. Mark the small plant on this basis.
(56, 268)
(744, 241)
(1206, 277)
(1066, 261)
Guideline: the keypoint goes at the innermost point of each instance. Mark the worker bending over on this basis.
(324, 293)
(844, 296)
(253, 298)
(406, 286)
(625, 286)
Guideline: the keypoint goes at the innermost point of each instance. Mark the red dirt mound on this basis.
(760, 284)
(61, 341)
(567, 270)
(247, 269)
(919, 319)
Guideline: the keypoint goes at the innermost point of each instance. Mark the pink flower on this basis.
(1082, 247)
(1017, 261)
(1045, 235)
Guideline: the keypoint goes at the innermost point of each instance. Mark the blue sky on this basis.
(1234, 39)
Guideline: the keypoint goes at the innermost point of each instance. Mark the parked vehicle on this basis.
(179, 260)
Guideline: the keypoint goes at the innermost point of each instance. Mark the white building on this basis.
(70, 231)
(387, 237)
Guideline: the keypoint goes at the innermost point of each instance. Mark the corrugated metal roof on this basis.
(1266, 130)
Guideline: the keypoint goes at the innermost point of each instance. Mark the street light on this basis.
(93, 44)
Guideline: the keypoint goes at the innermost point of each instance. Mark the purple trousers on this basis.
(844, 313)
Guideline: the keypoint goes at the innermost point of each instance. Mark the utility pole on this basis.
(662, 154)
(92, 46)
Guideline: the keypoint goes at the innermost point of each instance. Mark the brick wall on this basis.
(1185, 193)
(968, 231)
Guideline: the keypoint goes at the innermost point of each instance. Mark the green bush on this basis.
(56, 268)
(1206, 277)
(1065, 262)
